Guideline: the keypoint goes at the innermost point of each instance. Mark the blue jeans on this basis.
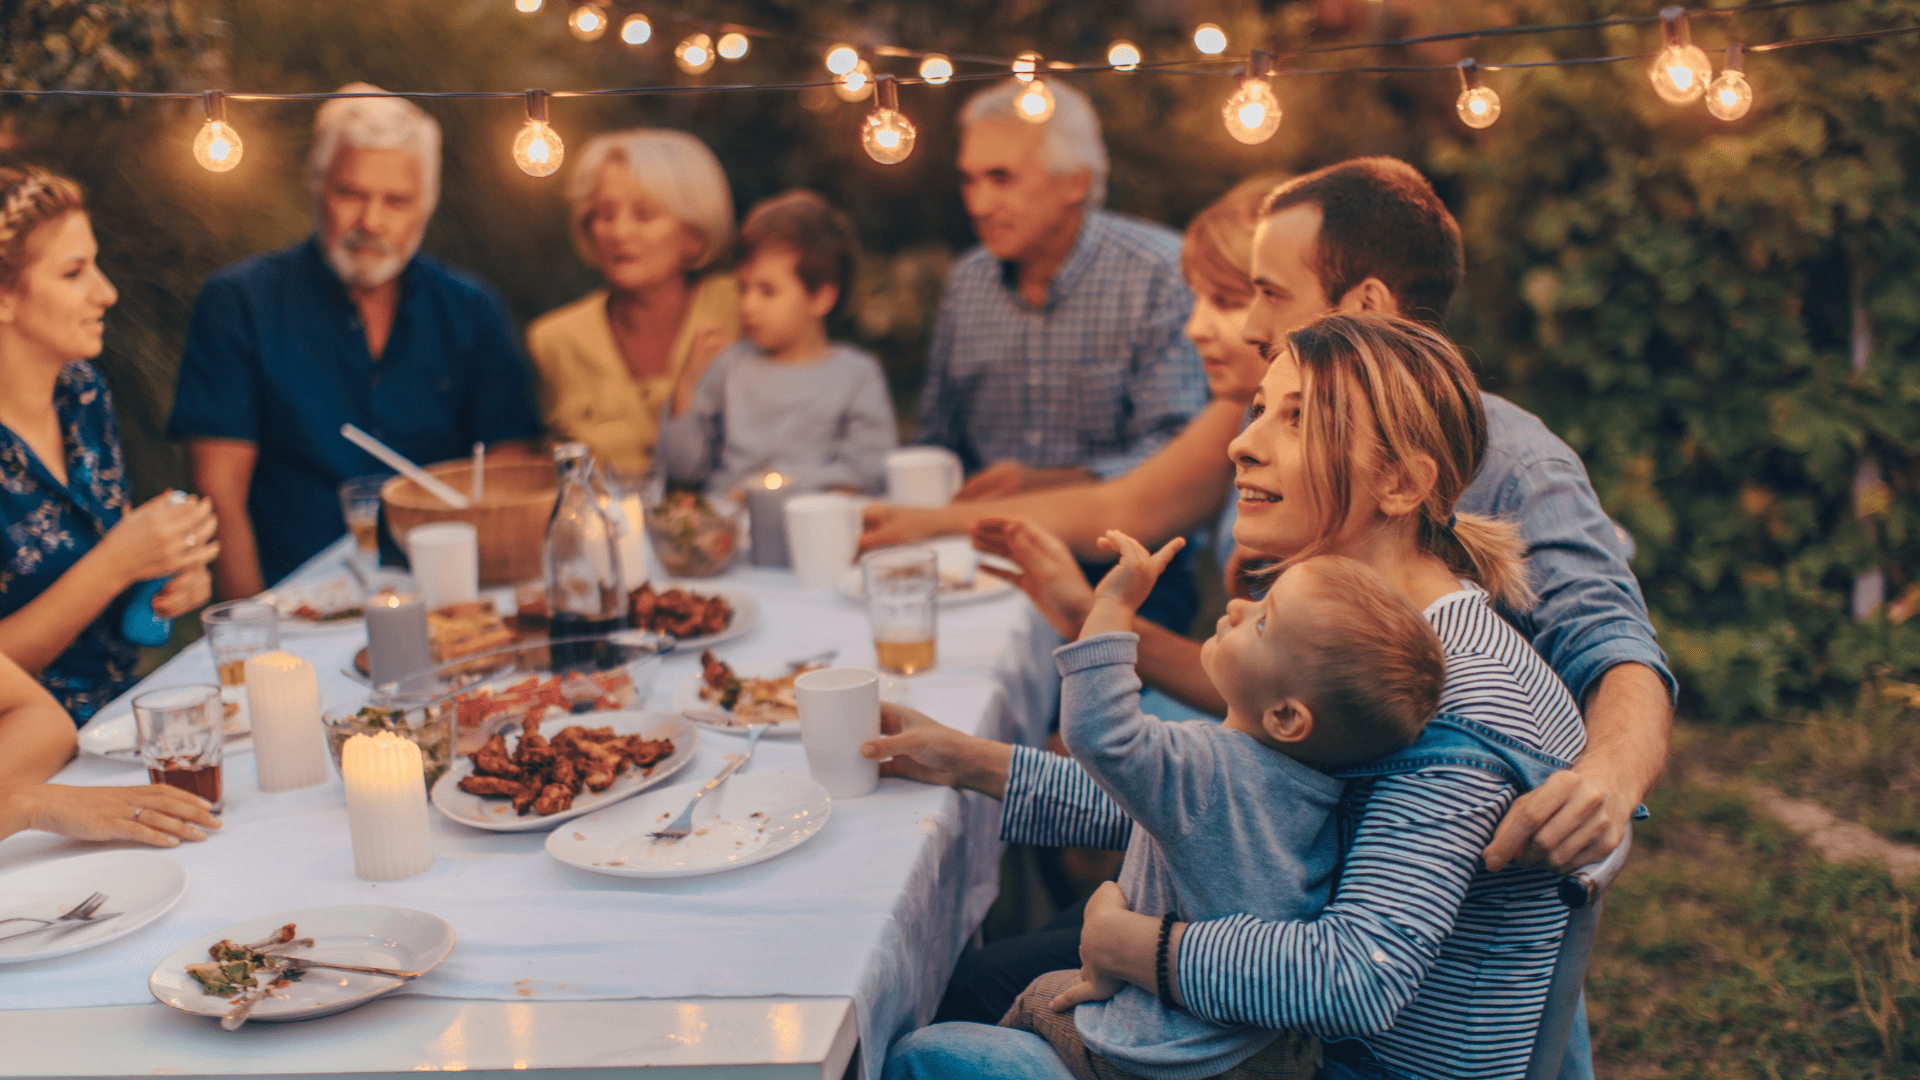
(960, 1051)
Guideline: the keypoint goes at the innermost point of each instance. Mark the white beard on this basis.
(367, 262)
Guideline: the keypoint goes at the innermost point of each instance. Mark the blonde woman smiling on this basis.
(651, 212)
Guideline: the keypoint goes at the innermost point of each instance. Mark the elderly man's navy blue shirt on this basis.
(276, 356)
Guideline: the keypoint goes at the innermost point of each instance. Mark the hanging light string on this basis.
(1681, 73)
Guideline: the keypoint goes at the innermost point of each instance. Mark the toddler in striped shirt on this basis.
(1331, 668)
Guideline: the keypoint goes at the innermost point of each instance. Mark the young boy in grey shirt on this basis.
(785, 399)
(1332, 667)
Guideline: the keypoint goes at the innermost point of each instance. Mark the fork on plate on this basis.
(683, 824)
(78, 913)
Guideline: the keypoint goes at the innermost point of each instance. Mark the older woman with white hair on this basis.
(651, 212)
(352, 325)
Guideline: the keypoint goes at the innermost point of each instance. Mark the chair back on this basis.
(1580, 891)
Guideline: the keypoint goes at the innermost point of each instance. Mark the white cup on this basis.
(926, 476)
(823, 535)
(446, 562)
(839, 710)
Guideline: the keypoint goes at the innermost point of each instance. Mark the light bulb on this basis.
(1680, 73)
(1478, 107)
(527, 7)
(1252, 113)
(587, 22)
(842, 59)
(1035, 103)
(1210, 39)
(887, 135)
(695, 54)
(1729, 97)
(538, 149)
(636, 30)
(1124, 55)
(1025, 65)
(217, 147)
(936, 69)
(855, 85)
(733, 46)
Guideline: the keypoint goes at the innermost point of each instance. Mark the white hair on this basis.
(373, 123)
(675, 168)
(1070, 139)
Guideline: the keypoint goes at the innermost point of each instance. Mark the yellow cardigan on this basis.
(587, 393)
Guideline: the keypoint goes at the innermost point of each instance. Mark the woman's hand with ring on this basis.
(160, 538)
(154, 814)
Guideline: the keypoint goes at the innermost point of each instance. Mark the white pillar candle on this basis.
(634, 543)
(283, 699)
(445, 558)
(386, 807)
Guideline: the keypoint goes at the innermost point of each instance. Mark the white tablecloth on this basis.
(876, 908)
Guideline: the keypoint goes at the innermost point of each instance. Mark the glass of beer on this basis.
(902, 584)
(236, 631)
(182, 738)
(360, 504)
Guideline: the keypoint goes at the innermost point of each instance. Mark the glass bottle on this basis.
(585, 593)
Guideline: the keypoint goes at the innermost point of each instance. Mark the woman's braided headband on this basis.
(19, 201)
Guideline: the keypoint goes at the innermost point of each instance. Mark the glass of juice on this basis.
(182, 738)
(902, 584)
(360, 504)
(236, 631)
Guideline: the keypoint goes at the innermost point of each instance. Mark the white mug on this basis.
(839, 710)
(926, 476)
(823, 535)
(445, 557)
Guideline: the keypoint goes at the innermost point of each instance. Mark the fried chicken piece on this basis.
(644, 752)
(523, 801)
(492, 758)
(641, 604)
(554, 798)
(534, 752)
(714, 671)
(490, 785)
(566, 773)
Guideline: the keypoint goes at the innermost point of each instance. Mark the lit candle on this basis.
(397, 643)
(283, 699)
(634, 544)
(386, 807)
(767, 518)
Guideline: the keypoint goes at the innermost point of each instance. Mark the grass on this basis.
(1729, 949)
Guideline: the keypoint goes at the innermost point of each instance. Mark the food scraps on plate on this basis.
(751, 701)
(235, 969)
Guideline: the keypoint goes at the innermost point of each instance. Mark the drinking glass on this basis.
(182, 738)
(236, 631)
(902, 584)
(360, 504)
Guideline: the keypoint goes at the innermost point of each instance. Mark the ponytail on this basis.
(1484, 550)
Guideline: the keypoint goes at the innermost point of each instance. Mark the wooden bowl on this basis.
(511, 518)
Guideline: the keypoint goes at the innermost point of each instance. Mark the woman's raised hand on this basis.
(926, 750)
(161, 538)
(1132, 578)
(1049, 574)
(155, 814)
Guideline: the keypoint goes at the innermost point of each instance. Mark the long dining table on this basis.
(808, 964)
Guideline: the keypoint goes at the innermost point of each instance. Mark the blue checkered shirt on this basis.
(1099, 378)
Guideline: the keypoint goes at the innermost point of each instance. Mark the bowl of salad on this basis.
(694, 536)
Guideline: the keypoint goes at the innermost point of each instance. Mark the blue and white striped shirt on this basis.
(1438, 966)
(1100, 377)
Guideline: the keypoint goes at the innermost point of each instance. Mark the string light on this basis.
(1124, 55)
(1681, 71)
(1210, 39)
(855, 85)
(217, 146)
(1477, 105)
(695, 54)
(1252, 114)
(588, 22)
(887, 135)
(842, 59)
(936, 69)
(636, 30)
(1025, 65)
(527, 7)
(1035, 103)
(1730, 97)
(538, 149)
(733, 46)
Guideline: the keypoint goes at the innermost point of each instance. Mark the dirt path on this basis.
(1836, 840)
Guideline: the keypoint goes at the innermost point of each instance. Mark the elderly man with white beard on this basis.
(351, 325)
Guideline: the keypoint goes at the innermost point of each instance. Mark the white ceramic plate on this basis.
(496, 814)
(853, 585)
(748, 819)
(746, 612)
(329, 590)
(371, 935)
(116, 738)
(140, 885)
(688, 703)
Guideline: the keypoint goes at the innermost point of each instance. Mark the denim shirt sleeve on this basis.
(1590, 614)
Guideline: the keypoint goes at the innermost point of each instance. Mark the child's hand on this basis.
(1132, 578)
(1093, 985)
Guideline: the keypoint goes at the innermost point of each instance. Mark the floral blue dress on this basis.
(50, 525)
